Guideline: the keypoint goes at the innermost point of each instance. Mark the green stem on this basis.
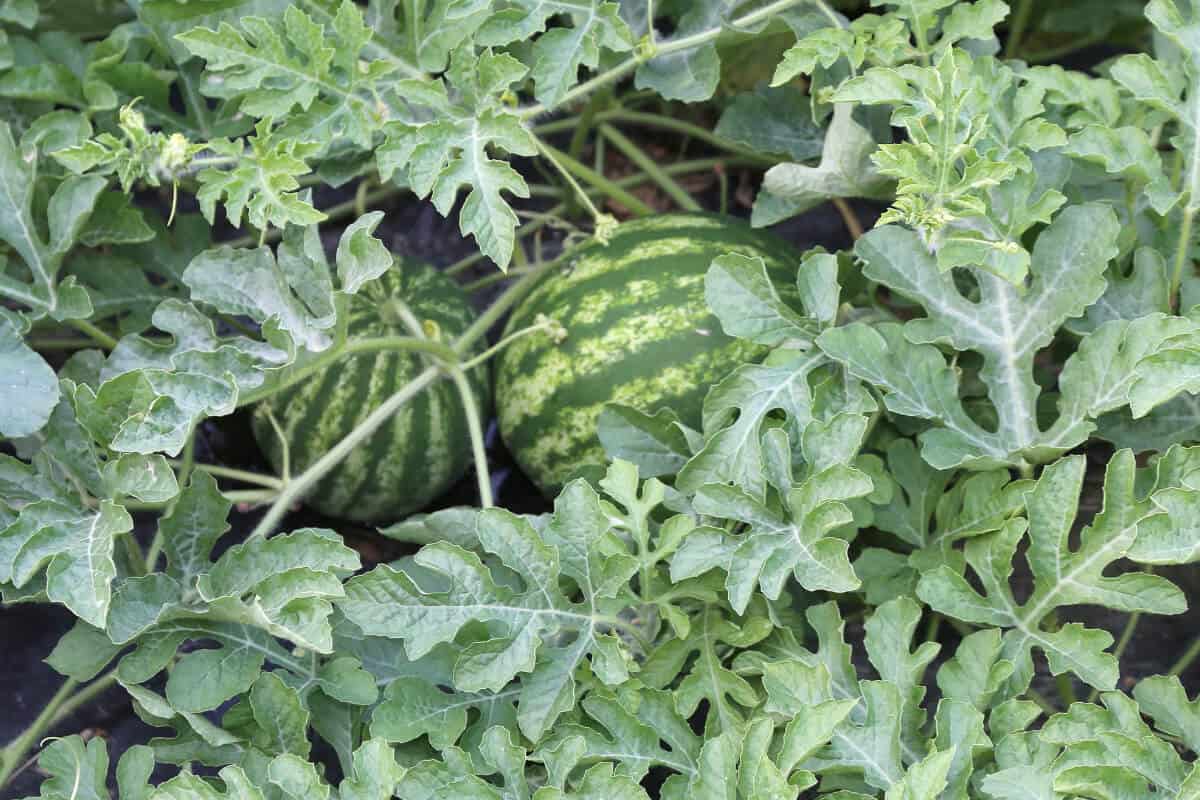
(13, 755)
(604, 185)
(333, 354)
(1122, 644)
(932, 626)
(1072, 46)
(853, 224)
(84, 696)
(558, 160)
(647, 165)
(302, 483)
(1182, 254)
(478, 445)
(492, 279)
(251, 496)
(186, 466)
(188, 463)
(500, 345)
(679, 126)
(1066, 689)
(660, 49)
(1186, 659)
(265, 481)
(449, 364)
(285, 447)
(137, 559)
(1016, 28)
(528, 228)
(587, 119)
(512, 295)
(69, 343)
(98, 336)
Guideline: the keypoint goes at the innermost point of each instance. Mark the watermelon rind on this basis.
(423, 449)
(638, 332)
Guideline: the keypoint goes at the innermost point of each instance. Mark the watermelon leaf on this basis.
(904, 363)
(152, 390)
(776, 545)
(727, 693)
(1062, 576)
(576, 544)
(739, 291)
(66, 215)
(29, 380)
(558, 54)
(466, 118)
(417, 38)
(736, 414)
(273, 70)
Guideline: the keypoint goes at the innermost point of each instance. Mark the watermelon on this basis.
(423, 449)
(638, 332)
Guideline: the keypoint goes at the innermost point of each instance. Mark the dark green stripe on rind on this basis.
(422, 449)
(638, 332)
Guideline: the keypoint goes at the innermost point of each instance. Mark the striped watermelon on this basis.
(638, 332)
(423, 449)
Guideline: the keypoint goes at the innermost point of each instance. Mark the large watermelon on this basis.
(425, 446)
(638, 332)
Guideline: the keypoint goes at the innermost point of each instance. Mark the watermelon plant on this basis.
(897, 500)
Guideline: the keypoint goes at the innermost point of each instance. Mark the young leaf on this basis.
(690, 75)
(560, 52)
(924, 780)
(627, 731)
(251, 283)
(140, 155)
(1169, 86)
(889, 637)
(971, 128)
(417, 38)
(74, 546)
(77, 770)
(275, 67)
(413, 707)
(658, 444)
(737, 765)
(263, 184)
(465, 120)
(739, 291)
(774, 121)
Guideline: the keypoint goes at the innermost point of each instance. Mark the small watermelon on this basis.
(638, 332)
(423, 449)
